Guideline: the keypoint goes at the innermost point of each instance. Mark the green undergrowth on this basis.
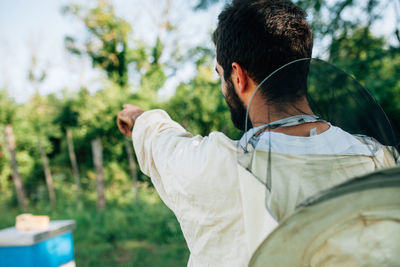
(127, 232)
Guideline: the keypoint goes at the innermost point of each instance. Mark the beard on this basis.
(236, 107)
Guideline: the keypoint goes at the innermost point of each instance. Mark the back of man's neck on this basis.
(261, 113)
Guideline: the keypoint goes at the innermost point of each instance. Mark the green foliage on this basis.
(199, 105)
(126, 233)
(145, 233)
(8, 108)
(374, 64)
(204, 4)
(342, 29)
(107, 44)
(331, 18)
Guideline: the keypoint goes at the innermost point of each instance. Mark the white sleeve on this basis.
(197, 178)
(179, 164)
(151, 138)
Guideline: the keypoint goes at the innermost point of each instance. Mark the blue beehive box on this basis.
(52, 247)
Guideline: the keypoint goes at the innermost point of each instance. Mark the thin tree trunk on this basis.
(10, 143)
(97, 150)
(75, 170)
(132, 166)
(47, 174)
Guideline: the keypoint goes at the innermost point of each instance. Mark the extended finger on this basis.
(123, 126)
(120, 126)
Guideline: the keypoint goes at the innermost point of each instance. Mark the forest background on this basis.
(61, 153)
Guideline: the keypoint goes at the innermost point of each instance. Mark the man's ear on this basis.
(240, 78)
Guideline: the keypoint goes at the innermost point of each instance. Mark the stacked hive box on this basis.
(52, 247)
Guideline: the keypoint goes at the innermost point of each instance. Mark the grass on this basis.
(125, 233)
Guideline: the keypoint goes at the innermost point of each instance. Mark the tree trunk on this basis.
(10, 143)
(75, 170)
(132, 166)
(97, 150)
(47, 174)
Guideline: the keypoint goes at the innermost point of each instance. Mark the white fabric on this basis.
(294, 179)
(323, 143)
(363, 242)
(219, 205)
(197, 179)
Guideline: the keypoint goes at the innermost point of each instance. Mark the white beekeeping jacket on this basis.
(294, 179)
(220, 205)
(197, 178)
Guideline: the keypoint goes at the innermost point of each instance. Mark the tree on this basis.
(204, 4)
(41, 124)
(107, 42)
(107, 47)
(132, 166)
(98, 163)
(346, 41)
(331, 18)
(199, 104)
(67, 118)
(97, 116)
(7, 116)
(374, 64)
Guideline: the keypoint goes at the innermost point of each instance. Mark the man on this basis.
(220, 207)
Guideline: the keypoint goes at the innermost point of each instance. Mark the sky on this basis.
(38, 28)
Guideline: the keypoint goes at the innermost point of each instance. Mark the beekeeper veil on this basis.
(324, 129)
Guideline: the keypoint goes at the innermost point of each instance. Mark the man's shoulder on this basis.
(220, 139)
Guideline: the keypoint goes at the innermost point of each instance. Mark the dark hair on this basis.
(261, 36)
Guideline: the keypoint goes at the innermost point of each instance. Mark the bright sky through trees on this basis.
(38, 28)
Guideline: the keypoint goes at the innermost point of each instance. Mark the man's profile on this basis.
(198, 177)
